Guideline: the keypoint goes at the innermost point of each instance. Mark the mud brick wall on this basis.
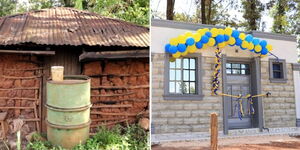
(119, 90)
(178, 116)
(279, 109)
(19, 89)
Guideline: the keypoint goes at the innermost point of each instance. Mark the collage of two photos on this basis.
(149, 74)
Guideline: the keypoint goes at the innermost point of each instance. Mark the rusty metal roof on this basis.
(68, 26)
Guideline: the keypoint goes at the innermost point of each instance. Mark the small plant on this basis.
(132, 137)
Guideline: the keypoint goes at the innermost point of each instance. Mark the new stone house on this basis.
(185, 110)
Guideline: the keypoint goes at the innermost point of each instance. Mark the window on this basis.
(182, 78)
(236, 68)
(277, 71)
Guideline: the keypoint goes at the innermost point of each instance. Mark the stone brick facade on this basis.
(169, 116)
(279, 110)
(178, 116)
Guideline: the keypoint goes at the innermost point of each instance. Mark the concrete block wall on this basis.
(179, 116)
(279, 109)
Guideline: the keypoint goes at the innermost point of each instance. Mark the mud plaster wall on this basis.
(19, 87)
(120, 90)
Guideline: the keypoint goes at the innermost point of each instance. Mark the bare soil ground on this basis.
(278, 142)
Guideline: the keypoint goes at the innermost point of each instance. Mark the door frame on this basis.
(255, 89)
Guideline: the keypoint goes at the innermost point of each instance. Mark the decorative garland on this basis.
(219, 38)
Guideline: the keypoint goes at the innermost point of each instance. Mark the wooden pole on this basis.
(213, 131)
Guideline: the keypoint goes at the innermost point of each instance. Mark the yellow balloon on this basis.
(176, 55)
(201, 31)
(172, 59)
(242, 36)
(262, 56)
(189, 34)
(231, 40)
(181, 39)
(205, 30)
(214, 32)
(174, 41)
(221, 31)
(204, 46)
(197, 37)
(269, 47)
(257, 48)
(211, 42)
(250, 46)
(228, 31)
(191, 49)
(221, 45)
(185, 53)
(245, 44)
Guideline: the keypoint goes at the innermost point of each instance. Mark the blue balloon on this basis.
(242, 48)
(190, 41)
(255, 41)
(226, 37)
(252, 50)
(263, 43)
(204, 39)
(220, 38)
(264, 51)
(167, 46)
(235, 34)
(231, 45)
(181, 47)
(238, 42)
(208, 34)
(173, 49)
(199, 45)
(249, 38)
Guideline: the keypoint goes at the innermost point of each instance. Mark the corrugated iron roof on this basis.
(68, 26)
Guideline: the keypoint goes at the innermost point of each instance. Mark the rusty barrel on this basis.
(68, 111)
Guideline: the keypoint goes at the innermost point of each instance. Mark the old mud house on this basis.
(112, 52)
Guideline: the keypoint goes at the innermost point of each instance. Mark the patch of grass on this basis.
(132, 137)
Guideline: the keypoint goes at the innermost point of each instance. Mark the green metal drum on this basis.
(73, 92)
(68, 111)
(68, 136)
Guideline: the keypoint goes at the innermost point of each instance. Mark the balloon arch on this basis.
(219, 38)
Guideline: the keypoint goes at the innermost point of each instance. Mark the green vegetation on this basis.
(133, 137)
(135, 11)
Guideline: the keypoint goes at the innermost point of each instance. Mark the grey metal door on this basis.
(238, 79)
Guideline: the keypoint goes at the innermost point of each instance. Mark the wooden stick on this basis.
(37, 123)
(121, 87)
(214, 131)
(17, 107)
(121, 100)
(19, 98)
(114, 114)
(27, 69)
(34, 119)
(106, 119)
(10, 77)
(23, 88)
(111, 106)
(120, 75)
(28, 52)
(111, 95)
(106, 124)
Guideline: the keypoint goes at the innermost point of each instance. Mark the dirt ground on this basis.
(278, 142)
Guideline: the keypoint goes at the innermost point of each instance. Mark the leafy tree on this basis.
(252, 14)
(136, 11)
(280, 23)
(170, 9)
(7, 7)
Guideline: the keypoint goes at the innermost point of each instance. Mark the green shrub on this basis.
(133, 137)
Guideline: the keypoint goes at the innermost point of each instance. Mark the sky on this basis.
(189, 7)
